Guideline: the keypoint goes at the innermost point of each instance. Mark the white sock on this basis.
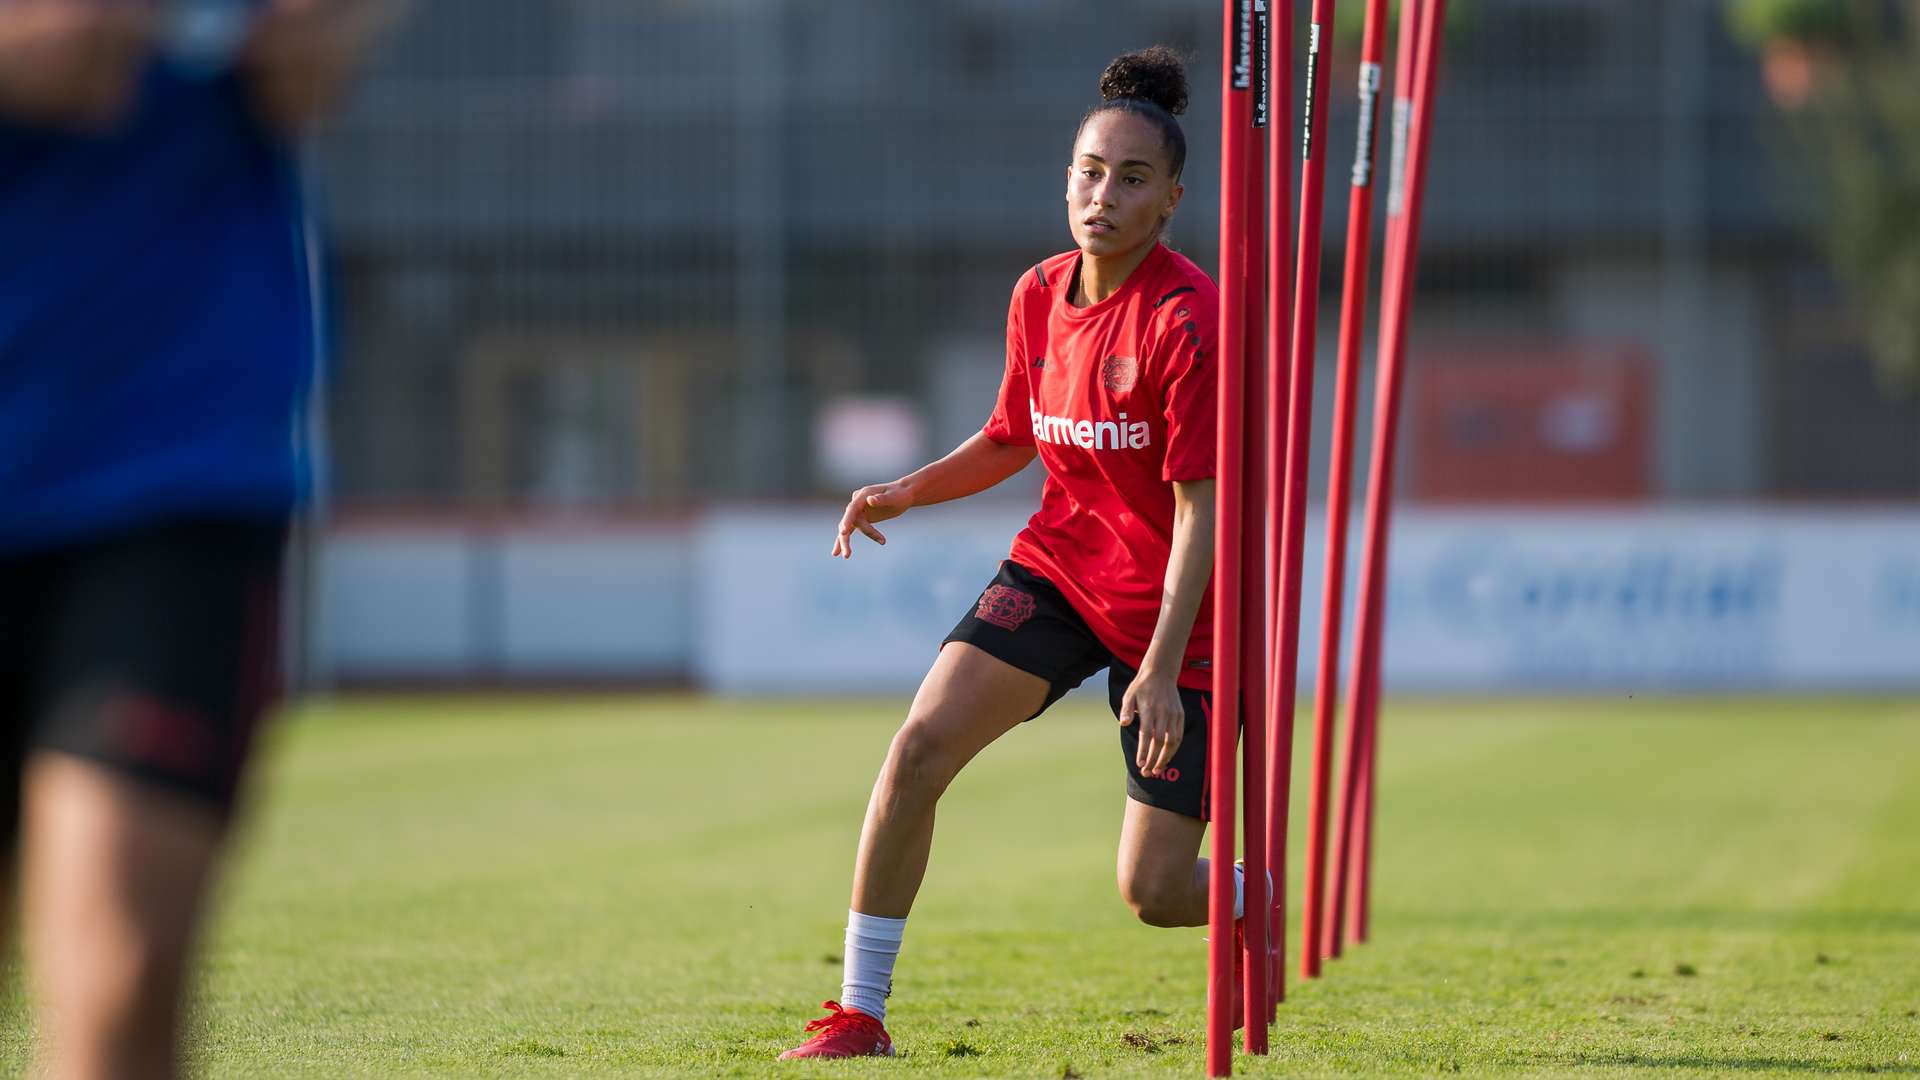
(1240, 890)
(872, 944)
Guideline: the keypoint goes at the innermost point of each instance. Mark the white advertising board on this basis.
(1478, 600)
(450, 602)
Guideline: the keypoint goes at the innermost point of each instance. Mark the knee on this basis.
(132, 996)
(920, 764)
(1155, 901)
(145, 969)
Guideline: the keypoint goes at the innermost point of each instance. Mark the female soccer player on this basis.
(1110, 381)
(156, 342)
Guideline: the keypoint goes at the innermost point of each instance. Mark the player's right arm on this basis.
(71, 63)
(973, 467)
(1000, 449)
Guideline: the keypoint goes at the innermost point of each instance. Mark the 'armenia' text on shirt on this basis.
(1091, 434)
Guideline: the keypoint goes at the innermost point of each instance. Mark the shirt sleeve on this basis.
(1188, 359)
(1012, 421)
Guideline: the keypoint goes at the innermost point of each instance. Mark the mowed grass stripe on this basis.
(1660, 806)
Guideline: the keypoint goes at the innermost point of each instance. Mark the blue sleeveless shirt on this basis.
(157, 327)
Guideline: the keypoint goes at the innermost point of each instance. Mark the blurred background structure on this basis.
(630, 292)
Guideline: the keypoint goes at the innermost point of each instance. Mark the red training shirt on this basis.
(1120, 399)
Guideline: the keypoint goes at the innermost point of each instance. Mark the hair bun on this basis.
(1154, 74)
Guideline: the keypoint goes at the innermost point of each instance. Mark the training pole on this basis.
(1253, 566)
(1427, 88)
(1223, 730)
(1279, 332)
(1353, 757)
(1396, 304)
(1353, 307)
(1342, 886)
(1306, 290)
(1361, 883)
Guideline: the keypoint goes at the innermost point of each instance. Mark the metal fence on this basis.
(631, 255)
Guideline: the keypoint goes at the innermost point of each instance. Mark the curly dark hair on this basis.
(1150, 83)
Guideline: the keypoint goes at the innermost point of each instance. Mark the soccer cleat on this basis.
(1239, 999)
(843, 1033)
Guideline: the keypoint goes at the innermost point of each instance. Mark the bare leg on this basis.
(967, 700)
(1162, 878)
(114, 875)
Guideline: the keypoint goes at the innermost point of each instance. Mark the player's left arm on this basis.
(1154, 698)
(1182, 364)
(301, 54)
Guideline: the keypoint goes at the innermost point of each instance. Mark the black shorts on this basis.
(154, 653)
(1023, 620)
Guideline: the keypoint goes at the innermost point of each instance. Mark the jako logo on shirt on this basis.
(1091, 434)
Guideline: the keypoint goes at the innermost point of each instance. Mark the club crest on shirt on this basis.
(1119, 373)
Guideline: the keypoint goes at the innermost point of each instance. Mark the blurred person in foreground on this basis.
(1110, 382)
(158, 341)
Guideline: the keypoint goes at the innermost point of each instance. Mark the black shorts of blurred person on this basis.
(134, 666)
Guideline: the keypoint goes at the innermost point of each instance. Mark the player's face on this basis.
(1120, 187)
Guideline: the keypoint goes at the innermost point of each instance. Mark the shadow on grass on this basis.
(1651, 918)
(1727, 1064)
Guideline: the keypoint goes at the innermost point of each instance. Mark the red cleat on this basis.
(844, 1033)
(1239, 998)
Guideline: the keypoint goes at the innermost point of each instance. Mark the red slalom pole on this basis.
(1427, 80)
(1396, 304)
(1306, 295)
(1353, 307)
(1340, 887)
(1279, 332)
(1346, 836)
(1362, 884)
(1253, 568)
(1236, 86)
(1360, 888)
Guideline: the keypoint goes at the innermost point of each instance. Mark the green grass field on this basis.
(657, 886)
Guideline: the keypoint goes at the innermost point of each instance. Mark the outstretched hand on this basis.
(870, 504)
